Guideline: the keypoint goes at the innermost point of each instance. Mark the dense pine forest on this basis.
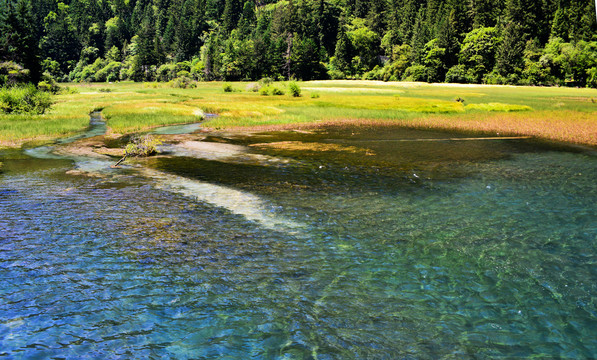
(527, 42)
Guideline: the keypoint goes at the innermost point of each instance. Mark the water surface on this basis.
(407, 249)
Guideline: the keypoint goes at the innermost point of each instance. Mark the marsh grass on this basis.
(498, 107)
(564, 114)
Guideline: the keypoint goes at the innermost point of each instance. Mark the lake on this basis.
(338, 243)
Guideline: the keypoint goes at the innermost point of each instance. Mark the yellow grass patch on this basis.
(353, 90)
(498, 107)
(317, 147)
(142, 107)
(394, 103)
(348, 83)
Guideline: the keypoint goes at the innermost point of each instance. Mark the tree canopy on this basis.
(537, 42)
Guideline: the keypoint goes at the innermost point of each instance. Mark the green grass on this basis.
(132, 107)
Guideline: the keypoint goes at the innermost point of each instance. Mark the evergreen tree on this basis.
(530, 16)
(484, 13)
(329, 22)
(18, 40)
(59, 42)
(406, 18)
(279, 37)
(361, 8)
(214, 9)
(306, 60)
(232, 13)
(146, 48)
(248, 19)
(559, 27)
(376, 19)
(509, 57)
(419, 38)
(459, 18)
(344, 51)
(188, 30)
(448, 40)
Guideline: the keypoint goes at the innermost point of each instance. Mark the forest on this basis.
(521, 42)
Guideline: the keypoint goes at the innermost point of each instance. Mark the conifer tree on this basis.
(232, 13)
(484, 12)
(376, 18)
(247, 19)
(18, 39)
(59, 42)
(344, 50)
(448, 40)
(509, 57)
(419, 37)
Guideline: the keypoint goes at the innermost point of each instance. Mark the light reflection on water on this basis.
(482, 255)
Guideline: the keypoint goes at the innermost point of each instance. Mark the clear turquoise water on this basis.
(424, 250)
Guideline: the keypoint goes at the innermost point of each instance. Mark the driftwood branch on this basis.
(121, 160)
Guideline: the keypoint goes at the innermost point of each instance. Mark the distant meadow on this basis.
(560, 114)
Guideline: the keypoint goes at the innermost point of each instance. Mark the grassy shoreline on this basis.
(559, 114)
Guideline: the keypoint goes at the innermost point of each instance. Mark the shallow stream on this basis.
(336, 244)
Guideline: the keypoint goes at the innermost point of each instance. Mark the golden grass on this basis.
(498, 107)
(567, 126)
(571, 127)
(401, 103)
(312, 146)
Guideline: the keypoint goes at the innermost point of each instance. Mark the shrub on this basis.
(109, 72)
(142, 146)
(592, 78)
(493, 78)
(183, 82)
(264, 91)
(48, 84)
(68, 90)
(253, 87)
(24, 99)
(295, 90)
(47, 87)
(335, 74)
(112, 78)
(415, 73)
(166, 72)
(375, 74)
(197, 69)
(183, 66)
(315, 96)
(457, 74)
(266, 81)
(88, 72)
(276, 91)
(12, 73)
(227, 87)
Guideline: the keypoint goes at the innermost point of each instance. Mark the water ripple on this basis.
(106, 268)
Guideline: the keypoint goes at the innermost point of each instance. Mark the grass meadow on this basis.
(561, 114)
